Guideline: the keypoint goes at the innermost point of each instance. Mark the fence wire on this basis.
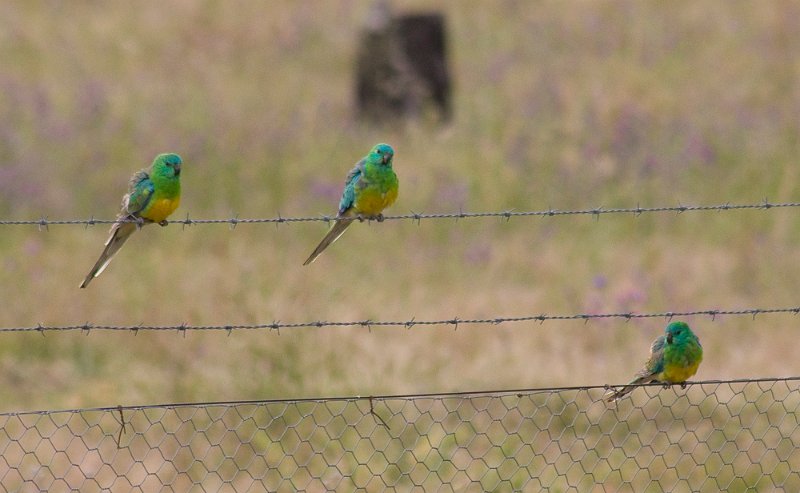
(87, 327)
(44, 222)
(732, 435)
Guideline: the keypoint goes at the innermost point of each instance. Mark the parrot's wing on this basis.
(653, 367)
(349, 194)
(140, 191)
(655, 364)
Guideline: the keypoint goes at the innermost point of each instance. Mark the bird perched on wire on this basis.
(370, 187)
(674, 358)
(152, 196)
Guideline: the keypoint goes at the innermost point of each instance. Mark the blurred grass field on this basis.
(557, 104)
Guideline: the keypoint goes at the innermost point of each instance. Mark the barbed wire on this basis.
(44, 222)
(408, 396)
(408, 324)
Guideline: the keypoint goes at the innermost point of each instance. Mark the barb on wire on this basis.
(596, 212)
(413, 322)
(461, 394)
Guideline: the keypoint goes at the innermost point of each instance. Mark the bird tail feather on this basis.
(334, 233)
(613, 395)
(120, 233)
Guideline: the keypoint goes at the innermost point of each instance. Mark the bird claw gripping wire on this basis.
(138, 221)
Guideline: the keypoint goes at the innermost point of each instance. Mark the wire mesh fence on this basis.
(713, 436)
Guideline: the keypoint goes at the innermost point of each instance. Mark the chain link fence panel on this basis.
(711, 436)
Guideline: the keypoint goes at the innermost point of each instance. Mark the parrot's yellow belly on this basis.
(678, 374)
(373, 203)
(160, 209)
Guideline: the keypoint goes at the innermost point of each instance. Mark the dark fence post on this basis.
(401, 66)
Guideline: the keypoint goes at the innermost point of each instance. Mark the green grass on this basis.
(563, 105)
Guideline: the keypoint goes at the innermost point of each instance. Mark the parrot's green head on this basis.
(167, 165)
(678, 332)
(381, 154)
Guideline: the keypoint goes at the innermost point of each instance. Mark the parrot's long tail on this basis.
(613, 395)
(120, 233)
(333, 234)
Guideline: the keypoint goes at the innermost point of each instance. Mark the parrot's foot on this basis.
(375, 217)
(666, 385)
(163, 223)
(683, 385)
(139, 222)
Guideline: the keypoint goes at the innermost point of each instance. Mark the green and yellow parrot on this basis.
(152, 196)
(674, 358)
(370, 187)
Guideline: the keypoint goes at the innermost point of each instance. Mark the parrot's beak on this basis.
(177, 168)
(669, 339)
(386, 158)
